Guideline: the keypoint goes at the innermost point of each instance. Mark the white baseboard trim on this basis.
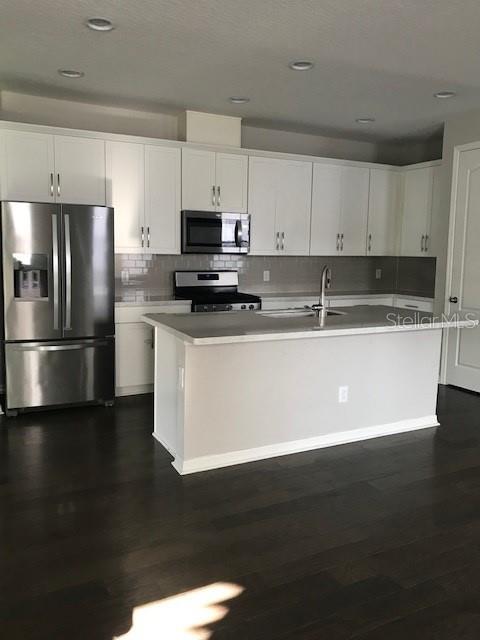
(133, 391)
(163, 443)
(217, 461)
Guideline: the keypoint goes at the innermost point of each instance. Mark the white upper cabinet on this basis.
(214, 181)
(231, 182)
(294, 203)
(27, 166)
(126, 193)
(279, 202)
(339, 210)
(382, 212)
(417, 211)
(80, 170)
(162, 199)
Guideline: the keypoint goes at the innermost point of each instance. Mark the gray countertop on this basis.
(218, 328)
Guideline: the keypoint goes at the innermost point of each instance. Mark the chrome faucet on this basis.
(325, 283)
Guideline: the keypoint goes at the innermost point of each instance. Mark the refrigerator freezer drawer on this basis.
(56, 373)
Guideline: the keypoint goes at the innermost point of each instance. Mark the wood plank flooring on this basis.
(366, 541)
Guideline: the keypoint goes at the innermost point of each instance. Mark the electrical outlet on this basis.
(343, 394)
(378, 274)
(266, 276)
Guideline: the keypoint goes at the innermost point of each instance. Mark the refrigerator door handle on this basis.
(68, 275)
(56, 297)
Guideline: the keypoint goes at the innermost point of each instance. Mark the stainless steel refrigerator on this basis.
(58, 304)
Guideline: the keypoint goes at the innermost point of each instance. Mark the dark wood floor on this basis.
(374, 540)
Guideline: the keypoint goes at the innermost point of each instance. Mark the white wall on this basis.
(459, 130)
(20, 107)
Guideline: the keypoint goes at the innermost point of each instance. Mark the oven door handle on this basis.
(238, 233)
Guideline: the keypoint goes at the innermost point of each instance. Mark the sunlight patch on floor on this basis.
(182, 617)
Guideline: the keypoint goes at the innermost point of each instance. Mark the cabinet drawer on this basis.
(416, 305)
(135, 312)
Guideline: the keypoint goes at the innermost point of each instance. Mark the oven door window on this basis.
(204, 232)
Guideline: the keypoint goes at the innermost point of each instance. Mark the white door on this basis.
(382, 212)
(416, 210)
(231, 182)
(80, 170)
(133, 355)
(326, 209)
(162, 199)
(294, 204)
(353, 219)
(27, 166)
(126, 193)
(463, 351)
(199, 187)
(262, 203)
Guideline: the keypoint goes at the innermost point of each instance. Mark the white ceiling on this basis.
(380, 58)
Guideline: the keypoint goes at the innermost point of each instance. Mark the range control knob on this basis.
(244, 306)
(251, 306)
(228, 307)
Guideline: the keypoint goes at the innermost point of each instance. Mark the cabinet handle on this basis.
(453, 299)
(278, 241)
(142, 232)
(427, 238)
(422, 244)
(148, 237)
(218, 196)
(283, 240)
(338, 242)
(341, 242)
(58, 184)
(369, 242)
(213, 195)
(51, 184)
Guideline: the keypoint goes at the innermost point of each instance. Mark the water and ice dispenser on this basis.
(30, 276)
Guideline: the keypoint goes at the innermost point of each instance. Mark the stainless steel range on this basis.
(213, 291)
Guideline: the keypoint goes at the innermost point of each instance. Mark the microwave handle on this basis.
(238, 233)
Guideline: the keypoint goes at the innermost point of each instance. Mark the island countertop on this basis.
(251, 326)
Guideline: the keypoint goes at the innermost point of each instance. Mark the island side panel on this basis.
(168, 391)
(254, 400)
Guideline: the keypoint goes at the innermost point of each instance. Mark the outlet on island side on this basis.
(266, 276)
(343, 394)
(378, 274)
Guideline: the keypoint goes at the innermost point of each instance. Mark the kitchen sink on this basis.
(296, 313)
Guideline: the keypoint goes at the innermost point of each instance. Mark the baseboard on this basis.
(164, 444)
(217, 461)
(133, 391)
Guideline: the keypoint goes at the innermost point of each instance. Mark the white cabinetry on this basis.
(134, 353)
(339, 210)
(42, 167)
(417, 211)
(280, 205)
(144, 189)
(382, 212)
(214, 181)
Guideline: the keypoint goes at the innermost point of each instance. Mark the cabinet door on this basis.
(162, 199)
(80, 170)
(134, 355)
(382, 212)
(326, 209)
(262, 202)
(231, 179)
(27, 166)
(416, 210)
(126, 193)
(294, 203)
(198, 180)
(353, 219)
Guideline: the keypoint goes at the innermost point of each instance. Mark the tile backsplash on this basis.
(153, 274)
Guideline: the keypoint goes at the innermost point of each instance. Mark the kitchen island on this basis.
(242, 386)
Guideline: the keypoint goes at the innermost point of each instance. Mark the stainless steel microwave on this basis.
(215, 232)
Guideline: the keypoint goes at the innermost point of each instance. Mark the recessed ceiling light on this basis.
(239, 100)
(71, 73)
(365, 120)
(301, 65)
(445, 94)
(99, 24)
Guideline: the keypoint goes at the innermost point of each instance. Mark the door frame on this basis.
(457, 151)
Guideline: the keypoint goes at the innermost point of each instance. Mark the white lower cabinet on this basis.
(134, 348)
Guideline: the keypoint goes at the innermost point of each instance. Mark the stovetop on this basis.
(213, 291)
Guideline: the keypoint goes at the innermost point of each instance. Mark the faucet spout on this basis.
(325, 283)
